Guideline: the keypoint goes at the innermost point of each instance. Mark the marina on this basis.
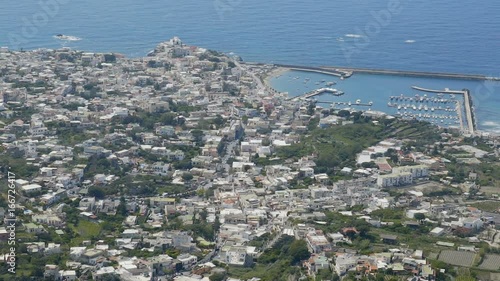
(434, 100)
(467, 122)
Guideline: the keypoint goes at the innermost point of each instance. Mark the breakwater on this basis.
(331, 71)
(346, 72)
(416, 73)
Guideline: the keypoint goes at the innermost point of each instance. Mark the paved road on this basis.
(260, 85)
(229, 153)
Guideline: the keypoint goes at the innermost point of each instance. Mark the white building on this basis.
(120, 111)
(472, 223)
(403, 175)
(394, 179)
(187, 260)
(418, 171)
(30, 188)
(165, 130)
(236, 255)
(69, 275)
(343, 263)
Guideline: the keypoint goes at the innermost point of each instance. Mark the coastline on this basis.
(275, 72)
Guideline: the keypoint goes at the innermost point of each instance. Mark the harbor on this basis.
(442, 107)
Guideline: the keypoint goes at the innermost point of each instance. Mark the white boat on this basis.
(67, 37)
(358, 101)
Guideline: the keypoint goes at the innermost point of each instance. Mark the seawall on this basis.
(340, 71)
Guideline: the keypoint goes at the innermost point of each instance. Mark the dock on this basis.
(318, 92)
(445, 91)
(468, 125)
(346, 103)
(323, 70)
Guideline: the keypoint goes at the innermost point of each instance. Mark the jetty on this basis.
(445, 91)
(323, 70)
(349, 103)
(318, 92)
(345, 72)
(415, 73)
(467, 125)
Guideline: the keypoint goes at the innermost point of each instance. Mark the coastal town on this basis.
(187, 165)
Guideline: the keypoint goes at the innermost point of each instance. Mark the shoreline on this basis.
(275, 72)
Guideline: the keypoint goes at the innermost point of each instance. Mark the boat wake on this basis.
(67, 37)
(410, 41)
(354, 35)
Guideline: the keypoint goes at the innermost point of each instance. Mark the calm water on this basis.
(425, 35)
(379, 88)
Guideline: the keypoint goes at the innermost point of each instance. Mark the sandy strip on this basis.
(273, 73)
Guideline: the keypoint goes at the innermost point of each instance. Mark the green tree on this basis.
(344, 113)
(419, 216)
(311, 108)
(122, 207)
(198, 137)
(96, 192)
(187, 177)
(109, 58)
(298, 251)
(217, 277)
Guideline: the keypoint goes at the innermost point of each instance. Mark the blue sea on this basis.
(421, 35)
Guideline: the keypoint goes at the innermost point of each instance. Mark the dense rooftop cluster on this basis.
(186, 165)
